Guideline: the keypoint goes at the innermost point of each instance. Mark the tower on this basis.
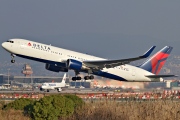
(27, 71)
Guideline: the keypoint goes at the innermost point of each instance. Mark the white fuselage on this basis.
(52, 86)
(50, 54)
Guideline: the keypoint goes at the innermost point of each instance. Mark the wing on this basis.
(158, 76)
(113, 63)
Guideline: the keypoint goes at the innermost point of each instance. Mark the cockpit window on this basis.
(10, 41)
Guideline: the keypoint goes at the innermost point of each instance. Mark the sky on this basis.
(109, 29)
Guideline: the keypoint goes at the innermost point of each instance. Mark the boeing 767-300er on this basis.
(62, 60)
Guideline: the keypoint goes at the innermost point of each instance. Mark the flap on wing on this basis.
(158, 76)
(112, 63)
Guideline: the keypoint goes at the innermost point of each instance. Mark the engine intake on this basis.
(54, 68)
(74, 64)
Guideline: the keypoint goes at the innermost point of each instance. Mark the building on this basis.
(6, 79)
(31, 79)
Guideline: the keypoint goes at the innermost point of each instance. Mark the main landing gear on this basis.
(91, 77)
(76, 78)
(12, 56)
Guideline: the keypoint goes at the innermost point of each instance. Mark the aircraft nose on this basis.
(4, 45)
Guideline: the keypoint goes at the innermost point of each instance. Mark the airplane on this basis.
(54, 86)
(61, 60)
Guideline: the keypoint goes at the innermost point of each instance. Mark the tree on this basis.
(78, 102)
(19, 104)
(52, 107)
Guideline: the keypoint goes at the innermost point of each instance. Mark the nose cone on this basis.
(4, 45)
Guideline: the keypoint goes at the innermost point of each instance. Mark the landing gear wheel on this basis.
(76, 78)
(86, 77)
(91, 77)
(12, 61)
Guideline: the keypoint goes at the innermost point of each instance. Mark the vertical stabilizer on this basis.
(64, 78)
(156, 62)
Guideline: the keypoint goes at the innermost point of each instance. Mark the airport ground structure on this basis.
(121, 96)
(4, 79)
(97, 83)
(20, 81)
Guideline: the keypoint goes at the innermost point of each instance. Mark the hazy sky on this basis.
(105, 28)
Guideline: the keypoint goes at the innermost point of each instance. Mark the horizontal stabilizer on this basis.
(159, 76)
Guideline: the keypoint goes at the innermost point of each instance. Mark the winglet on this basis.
(146, 54)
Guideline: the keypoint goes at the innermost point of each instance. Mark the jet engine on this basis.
(54, 68)
(59, 89)
(75, 65)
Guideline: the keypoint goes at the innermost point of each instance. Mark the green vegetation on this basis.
(78, 102)
(52, 107)
(48, 108)
(19, 104)
(71, 107)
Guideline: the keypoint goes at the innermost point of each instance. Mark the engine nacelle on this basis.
(74, 64)
(59, 89)
(55, 68)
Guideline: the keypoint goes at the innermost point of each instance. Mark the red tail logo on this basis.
(158, 61)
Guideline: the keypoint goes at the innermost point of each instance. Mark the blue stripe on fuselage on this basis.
(109, 75)
(99, 73)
